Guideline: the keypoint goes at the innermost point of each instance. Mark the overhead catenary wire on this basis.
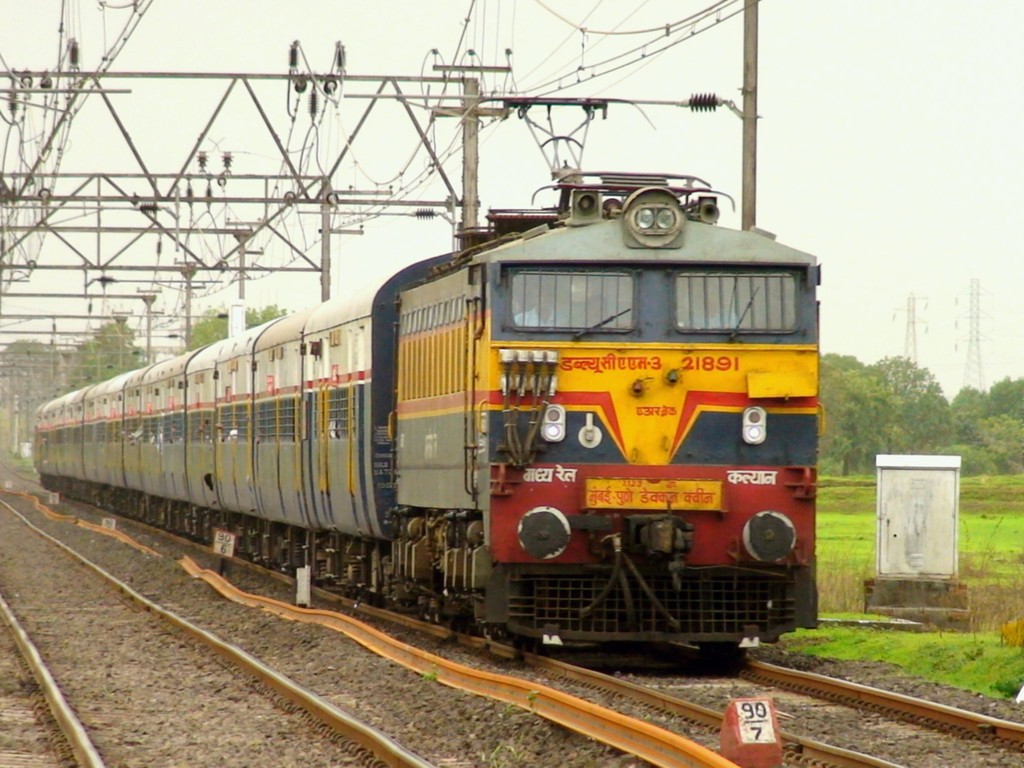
(711, 17)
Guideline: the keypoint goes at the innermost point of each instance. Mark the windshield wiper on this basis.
(736, 328)
(601, 324)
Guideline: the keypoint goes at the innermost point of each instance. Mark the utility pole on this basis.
(748, 214)
(325, 240)
(469, 113)
(148, 299)
(470, 156)
(188, 273)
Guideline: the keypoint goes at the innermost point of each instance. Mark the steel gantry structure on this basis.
(215, 215)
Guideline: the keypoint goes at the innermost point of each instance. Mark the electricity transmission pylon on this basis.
(974, 375)
(910, 341)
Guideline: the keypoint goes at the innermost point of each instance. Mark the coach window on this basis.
(572, 300)
(751, 302)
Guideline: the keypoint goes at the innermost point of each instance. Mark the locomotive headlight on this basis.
(755, 425)
(552, 428)
(665, 219)
(769, 536)
(645, 218)
(653, 218)
(544, 532)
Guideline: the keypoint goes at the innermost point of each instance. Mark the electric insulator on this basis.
(227, 161)
(703, 102)
(293, 56)
(312, 103)
(202, 161)
(12, 104)
(339, 56)
(73, 53)
(46, 81)
(424, 214)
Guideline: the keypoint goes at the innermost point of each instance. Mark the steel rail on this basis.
(800, 747)
(656, 745)
(84, 750)
(889, 701)
(377, 743)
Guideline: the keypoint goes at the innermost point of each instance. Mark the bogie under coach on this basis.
(595, 423)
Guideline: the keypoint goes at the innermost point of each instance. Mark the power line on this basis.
(645, 52)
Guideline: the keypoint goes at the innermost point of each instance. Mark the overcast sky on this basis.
(888, 144)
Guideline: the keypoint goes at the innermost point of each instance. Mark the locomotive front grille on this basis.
(706, 607)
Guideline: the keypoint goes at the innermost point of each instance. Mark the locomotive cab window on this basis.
(571, 300)
(751, 302)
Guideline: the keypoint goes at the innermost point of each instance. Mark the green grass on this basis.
(991, 564)
(991, 527)
(977, 662)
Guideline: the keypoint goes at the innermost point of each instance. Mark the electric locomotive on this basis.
(595, 423)
(624, 447)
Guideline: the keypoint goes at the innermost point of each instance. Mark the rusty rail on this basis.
(655, 745)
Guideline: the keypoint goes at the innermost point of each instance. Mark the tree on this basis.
(31, 373)
(1006, 398)
(968, 407)
(214, 324)
(1002, 437)
(110, 352)
(920, 417)
(854, 405)
(892, 406)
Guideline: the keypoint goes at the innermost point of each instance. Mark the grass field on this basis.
(991, 565)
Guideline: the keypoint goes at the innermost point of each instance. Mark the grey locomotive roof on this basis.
(701, 243)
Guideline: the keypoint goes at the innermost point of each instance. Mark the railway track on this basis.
(939, 717)
(534, 701)
(147, 695)
(799, 749)
(38, 728)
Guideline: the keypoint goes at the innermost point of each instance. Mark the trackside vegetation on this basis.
(894, 406)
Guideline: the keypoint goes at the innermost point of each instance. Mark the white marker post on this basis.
(303, 583)
(750, 734)
(223, 545)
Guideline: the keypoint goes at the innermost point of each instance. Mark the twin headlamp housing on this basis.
(653, 219)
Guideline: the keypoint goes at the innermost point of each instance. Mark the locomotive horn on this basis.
(707, 210)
